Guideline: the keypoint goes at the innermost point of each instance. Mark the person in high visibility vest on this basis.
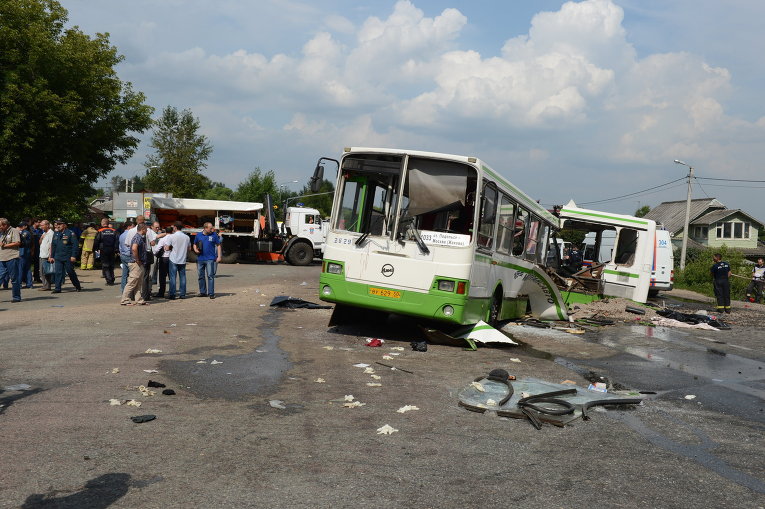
(88, 240)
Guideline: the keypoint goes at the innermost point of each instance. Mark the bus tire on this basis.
(495, 308)
(300, 253)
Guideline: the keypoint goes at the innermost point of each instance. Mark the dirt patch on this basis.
(612, 309)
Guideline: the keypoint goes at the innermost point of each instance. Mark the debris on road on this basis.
(115, 371)
(150, 371)
(373, 384)
(387, 358)
(17, 387)
(535, 400)
(407, 408)
(353, 404)
(690, 396)
(386, 430)
(419, 346)
(138, 419)
(213, 362)
(374, 342)
(158, 385)
(133, 402)
(394, 368)
(361, 365)
(115, 402)
(146, 392)
(153, 350)
(168, 392)
(277, 403)
(320, 381)
(284, 301)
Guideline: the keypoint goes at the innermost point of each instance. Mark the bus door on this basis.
(628, 273)
(483, 272)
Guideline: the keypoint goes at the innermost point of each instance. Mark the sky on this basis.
(590, 100)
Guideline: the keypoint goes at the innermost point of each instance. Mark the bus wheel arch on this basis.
(495, 306)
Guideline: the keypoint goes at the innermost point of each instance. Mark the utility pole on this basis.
(686, 233)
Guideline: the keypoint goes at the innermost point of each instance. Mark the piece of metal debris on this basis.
(386, 430)
(407, 408)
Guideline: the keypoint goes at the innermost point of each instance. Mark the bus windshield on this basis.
(437, 196)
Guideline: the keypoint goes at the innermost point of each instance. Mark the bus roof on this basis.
(571, 211)
(502, 182)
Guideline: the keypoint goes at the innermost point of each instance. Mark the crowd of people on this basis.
(34, 253)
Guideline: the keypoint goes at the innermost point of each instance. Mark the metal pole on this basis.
(686, 233)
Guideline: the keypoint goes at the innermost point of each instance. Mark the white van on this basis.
(663, 269)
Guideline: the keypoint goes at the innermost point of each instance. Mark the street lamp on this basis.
(686, 233)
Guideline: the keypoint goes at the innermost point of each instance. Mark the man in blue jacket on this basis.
(63, 251)
(208, 250)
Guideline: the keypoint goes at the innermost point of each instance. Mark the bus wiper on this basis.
(361, 239)
(409, 222)
(418, 239)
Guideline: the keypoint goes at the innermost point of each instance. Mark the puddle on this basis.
(235, 377)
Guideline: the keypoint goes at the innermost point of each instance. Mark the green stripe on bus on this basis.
(620, 273)
(604, 216)
(506, 265)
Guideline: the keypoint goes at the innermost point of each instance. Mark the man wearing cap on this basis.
(63, 251)
(10, 241)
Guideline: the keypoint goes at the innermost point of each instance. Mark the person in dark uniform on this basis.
(63, 251)
(25, 254)
(106, 246)
(721, 281)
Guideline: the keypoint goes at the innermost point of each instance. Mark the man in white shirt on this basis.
(178, 245)
(45, 241)
(151, 242)
(162, 260)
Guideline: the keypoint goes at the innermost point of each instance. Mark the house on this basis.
(711, 224)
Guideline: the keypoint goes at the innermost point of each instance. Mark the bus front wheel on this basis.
(495, 308)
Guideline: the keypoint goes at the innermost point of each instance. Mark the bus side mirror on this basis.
(318, 178)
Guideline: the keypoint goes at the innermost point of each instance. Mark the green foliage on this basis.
(323, 202)
(218, 191)
(255, 187)
(697, 276)
(576, 237)
(121, 184)
(642, 211)
(180, 156)
(65, 117)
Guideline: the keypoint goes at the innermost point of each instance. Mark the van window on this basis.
(519, 233)
(488, 217)
(626, 245)
(505, 233)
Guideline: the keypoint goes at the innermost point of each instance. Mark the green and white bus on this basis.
(436, 236)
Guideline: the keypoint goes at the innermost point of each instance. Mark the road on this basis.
(258, 418)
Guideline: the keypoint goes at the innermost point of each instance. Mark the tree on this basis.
(255, 187)
(323, 202)
(120, 184)
(642, 211)
(180, 155)
(218, 191)
(66, 119)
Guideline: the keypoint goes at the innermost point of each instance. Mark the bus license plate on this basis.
(384, 293)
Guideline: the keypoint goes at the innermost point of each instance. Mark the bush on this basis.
(697, 277)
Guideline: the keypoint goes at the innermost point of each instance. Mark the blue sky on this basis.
(586, 100)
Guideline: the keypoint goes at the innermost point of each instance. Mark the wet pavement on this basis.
(221, 440)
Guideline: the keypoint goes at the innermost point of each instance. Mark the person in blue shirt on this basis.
(63, 251)
(208, 250)
(125, 253)
(721, 282)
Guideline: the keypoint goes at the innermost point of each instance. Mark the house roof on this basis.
(107, 206)
(719, 215)
(671, 214)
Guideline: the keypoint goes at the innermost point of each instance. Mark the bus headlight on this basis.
(448, 310)
(446, 285)
(334, 268)
(326, 290)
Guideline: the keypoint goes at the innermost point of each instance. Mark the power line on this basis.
(633, 194)
(729, 180)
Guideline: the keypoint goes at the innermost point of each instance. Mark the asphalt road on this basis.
(258, 418)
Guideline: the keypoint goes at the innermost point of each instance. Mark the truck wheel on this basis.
(300, 254)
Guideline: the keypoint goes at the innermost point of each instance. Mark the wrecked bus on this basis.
(436, 236)
(619, 255)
